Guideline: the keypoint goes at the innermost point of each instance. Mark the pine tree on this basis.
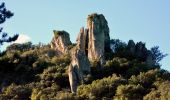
(4, 15)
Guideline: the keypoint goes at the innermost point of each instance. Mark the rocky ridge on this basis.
(92, 43)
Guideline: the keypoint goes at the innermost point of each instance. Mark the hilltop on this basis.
(94, 68)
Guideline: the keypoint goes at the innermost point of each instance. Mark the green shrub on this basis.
(45, 93)
(66, 96)
(129, 92)
(162, 93)
(55, 74)
(145, 79)
(63, 60)
(16, 92)
(100, 88)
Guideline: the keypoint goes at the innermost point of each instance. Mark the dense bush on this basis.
(129, 92)
(138, 51)
(67, 96)
(101, 88)
(161, 93)
(45, 93)
(55, 74)
(16, 92)
(147, 79)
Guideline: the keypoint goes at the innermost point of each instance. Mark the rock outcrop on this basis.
(78, 69)
(60, 42)
(80, 65)
(98, 37)
(82, 39)
(92, 43)
(80, 52)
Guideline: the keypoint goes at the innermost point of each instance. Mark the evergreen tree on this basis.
(5, 14)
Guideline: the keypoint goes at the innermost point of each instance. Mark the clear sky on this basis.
(140, 20)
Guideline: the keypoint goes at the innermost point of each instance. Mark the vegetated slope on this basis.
(32, 72)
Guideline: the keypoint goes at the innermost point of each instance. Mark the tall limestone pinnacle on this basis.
(80, 65)
(81, 39)
(92, 43)
(98, 37)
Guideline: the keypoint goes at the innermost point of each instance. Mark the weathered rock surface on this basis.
(78, 69)
(80, 65)
(60, 42)
(98, 37)
(92, 43)
(81, 40)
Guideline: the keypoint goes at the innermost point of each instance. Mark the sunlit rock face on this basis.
(92, 43)
(78, 69)
(80, 65)
(82, 39)
(98, 37)
(80, 51)
(60, 42)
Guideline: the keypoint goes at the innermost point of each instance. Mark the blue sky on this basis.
(140, 20)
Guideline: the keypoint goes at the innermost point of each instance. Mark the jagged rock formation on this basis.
(98, 37)
(92, 43)
(80, 52)
(80, 65)
(81, 39)
(78, 69)
(60, 42)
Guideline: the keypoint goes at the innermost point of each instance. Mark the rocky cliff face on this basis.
(60, 42)
(98, 37)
